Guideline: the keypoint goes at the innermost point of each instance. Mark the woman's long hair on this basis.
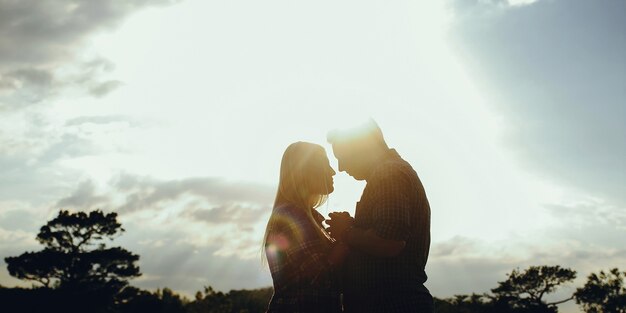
(301, 184)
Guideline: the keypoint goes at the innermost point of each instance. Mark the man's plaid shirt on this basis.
(297, 257)
(395, 206)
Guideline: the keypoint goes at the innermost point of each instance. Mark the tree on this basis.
(473, 303)
(251, 301)
(134, 300)
(604, 292)
(235, 301)
(524, 291)
(75, 256)
(210, 301)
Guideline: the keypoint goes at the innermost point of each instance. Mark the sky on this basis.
(175, 114)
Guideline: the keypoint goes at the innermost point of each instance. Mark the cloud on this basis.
(102, 119)
(29, 150)
(465, 275)
(32, 182)
(102, 89)
(187, 269)
(16, 238)
(464, 265)
(68, 146)
(87, 76)
(145, 193)
(83, 197)
(37, 152)
(34, 77)
(558, 83)
(243, 215)
(474, 8)
(38, 39)
(455, 246)
(206, 209)
(229, 201)
(590, 233)
(49, 31)
(181, 245)
(589, 213)
(204, 199)
(30, 85)
(516, 3)
(16, 216)
(25, 86)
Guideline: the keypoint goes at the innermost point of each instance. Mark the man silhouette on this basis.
(389, 236)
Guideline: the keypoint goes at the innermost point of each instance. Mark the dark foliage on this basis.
(235, 301)
(525, 290)
(76, 269)
(132, 300)
(522, 292)
(603, 292)
(47, 300)
(464, 304)
(75, 256)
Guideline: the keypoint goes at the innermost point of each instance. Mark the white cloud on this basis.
(561, 92)
(39, 40)
(521, 2)
(461, 9)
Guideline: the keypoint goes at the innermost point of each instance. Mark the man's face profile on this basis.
(348, 160)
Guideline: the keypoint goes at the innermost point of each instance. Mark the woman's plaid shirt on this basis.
(297, 257)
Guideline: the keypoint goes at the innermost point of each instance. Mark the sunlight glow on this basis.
(230, 104)
(222, 103)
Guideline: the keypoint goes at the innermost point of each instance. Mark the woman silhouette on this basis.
(300, 253)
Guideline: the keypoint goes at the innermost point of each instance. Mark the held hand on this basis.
(339, 224)
(339, 214)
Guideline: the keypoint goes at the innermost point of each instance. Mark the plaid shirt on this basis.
(296, 254)
(394, 204)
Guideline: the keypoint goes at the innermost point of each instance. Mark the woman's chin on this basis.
(330, 190)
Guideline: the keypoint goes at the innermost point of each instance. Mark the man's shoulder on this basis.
(393, 169)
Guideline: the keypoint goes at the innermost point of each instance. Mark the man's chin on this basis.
(357, 177)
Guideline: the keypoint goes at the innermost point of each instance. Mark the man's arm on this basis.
(366, 240)
(369, 242)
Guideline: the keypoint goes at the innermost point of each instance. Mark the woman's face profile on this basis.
(326, 173)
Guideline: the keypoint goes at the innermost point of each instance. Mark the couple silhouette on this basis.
(372, 262)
